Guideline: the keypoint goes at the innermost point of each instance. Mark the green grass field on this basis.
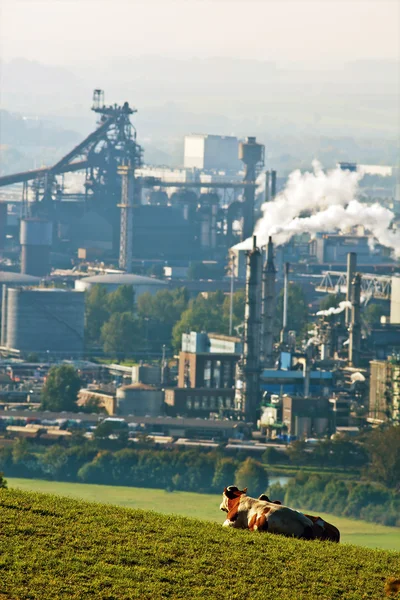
(201, 506)
(59, 548)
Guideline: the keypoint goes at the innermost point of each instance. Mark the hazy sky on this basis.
(317, 31)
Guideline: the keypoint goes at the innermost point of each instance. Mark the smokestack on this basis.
(273, 185)
(126, 206)
(351, 271)
(36, 237)
(267, 184)
(285, 304)
(355, 325)
(268, 307)
(252, 154)
(250, 391)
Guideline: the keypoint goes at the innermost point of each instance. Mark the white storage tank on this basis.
(111, 282)
(139, 399)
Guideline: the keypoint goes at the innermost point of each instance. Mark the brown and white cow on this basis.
(322, 529)
(245, 512)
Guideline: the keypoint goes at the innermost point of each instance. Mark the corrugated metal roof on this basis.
(124, 279)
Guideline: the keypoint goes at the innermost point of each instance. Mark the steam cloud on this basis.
(334, 311)
(330, 198)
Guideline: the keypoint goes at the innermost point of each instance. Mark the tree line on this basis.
(123, 327)
(186, 470)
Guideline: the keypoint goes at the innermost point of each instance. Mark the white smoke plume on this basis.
(334, 311)
(330, 198)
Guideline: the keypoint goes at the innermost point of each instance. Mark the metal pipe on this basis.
(351, 271)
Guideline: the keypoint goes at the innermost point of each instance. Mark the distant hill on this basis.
(58, 548)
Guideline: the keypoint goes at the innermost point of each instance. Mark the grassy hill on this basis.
(202, 506)
(53, 548)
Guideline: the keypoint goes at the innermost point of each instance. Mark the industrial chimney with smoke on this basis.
(249, 391)
(355, 325)
(268, 307)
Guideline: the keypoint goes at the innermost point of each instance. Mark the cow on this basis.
(245, 512)
(322, 529)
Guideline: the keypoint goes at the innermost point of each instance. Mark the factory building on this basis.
(384, 391)
(43, 321)
(333, 249)
(306, 417)
(111, 282)
(206, 377)
(395, 301)
(294, 382)
(211, 153)
(208, 361)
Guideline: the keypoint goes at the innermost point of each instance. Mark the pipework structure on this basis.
(252, 155)
(268, 307)
(355, 325)
(250, 364)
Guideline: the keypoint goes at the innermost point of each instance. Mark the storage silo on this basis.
(139, 399)
(36, 240)
(44, 321)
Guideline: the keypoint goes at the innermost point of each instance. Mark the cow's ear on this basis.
(245, 491)
(225, 489)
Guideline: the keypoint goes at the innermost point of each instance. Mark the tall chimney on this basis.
(351, 271)
(250, 392)
(273, 185)
(268, 307)
(355, 325)
(285, 304)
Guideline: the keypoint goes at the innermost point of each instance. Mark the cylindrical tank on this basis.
(36, 240)
(45, 320)
(139, 399)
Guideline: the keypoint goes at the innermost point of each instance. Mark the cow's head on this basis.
(230, 497)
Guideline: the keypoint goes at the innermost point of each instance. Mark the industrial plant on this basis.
(100, 219)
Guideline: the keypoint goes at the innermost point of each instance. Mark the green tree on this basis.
(202, 314)
(383, 447)
(159, 313)
(224, 473)
(238, 305)
(3, 482)
(121, 334)
(297, 309)
(60, 392)
(252, 474)
(121, 300)
(96, 313)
